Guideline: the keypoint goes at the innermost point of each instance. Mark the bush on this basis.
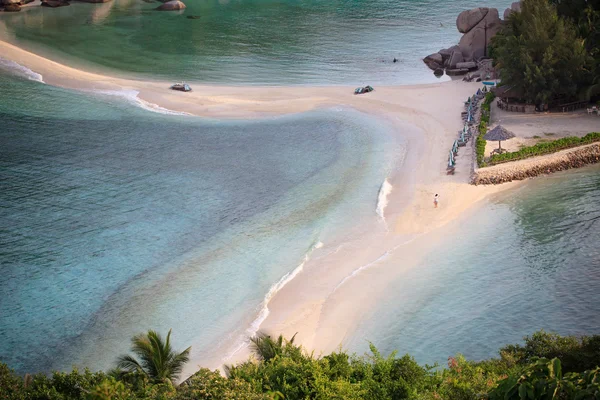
(480, 143)
(544, 380)
(544, 148)
(576, 354)
(294, 374)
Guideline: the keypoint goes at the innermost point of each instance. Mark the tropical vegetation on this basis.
(482, 128)
(547, 56)
(545, 366)
(156, 360)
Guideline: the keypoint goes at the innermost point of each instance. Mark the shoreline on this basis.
(320, 302)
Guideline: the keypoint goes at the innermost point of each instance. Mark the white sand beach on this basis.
(339, 283)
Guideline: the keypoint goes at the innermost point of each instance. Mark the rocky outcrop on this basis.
(456, 72)
(468, 19)
(478, 26)
(54, 3)
(470, 65)
(474, 43)
(12, 8)
(455, 58)
(434, 61)
(528, 168)
(172, 5)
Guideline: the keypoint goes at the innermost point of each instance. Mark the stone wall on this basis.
(518, 170)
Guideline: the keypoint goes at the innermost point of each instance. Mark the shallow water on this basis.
(116, 219)
(250, 42)
(527, 260)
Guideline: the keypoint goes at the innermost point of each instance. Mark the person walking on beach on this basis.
(435, 200)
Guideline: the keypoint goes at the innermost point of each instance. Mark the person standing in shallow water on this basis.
(435, 200)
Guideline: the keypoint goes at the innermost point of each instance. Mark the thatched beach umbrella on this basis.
(499, 134)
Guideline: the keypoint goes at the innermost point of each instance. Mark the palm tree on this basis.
(157, 360)
(266, 348)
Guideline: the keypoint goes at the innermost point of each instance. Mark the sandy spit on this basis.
(344, 280)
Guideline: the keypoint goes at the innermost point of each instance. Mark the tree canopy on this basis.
(541, 53)
(546, 366)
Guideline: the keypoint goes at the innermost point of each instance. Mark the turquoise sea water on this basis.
(527, 260)
(116, 219)
(250, 42)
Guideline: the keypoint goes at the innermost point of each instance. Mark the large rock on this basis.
(12, 8)
(473, 44)
(435, 57)
(456, 58)
(54, 3)
(446, 53)
(7, 2)
(468, 19)
(456, 72)
(470, 65)
(172, 5)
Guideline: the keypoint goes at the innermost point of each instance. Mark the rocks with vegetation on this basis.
(544, 363)
(478, 26)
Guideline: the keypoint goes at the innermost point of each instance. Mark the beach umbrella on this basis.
(499, 134)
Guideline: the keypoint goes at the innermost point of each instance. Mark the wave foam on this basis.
(132, 97)
(360, 269)
(21, 70)
(264, 307)
(382, 198)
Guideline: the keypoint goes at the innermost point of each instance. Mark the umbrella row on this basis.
(464, 135)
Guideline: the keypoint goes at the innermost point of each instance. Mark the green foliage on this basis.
(211, 385)
(11, 387)
(576, 354)
(585, 15)
(265, 348)
(482, 129)
(157, 360)
(109, 389)
(290, 373)
(542, 148)
(540, 53)
(544, 380)
(464, 380)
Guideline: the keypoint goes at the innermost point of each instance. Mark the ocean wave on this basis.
(132, 97)
(264, 306)
(20, 70)
(360, 269)
(382, 198)
(368, 265)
